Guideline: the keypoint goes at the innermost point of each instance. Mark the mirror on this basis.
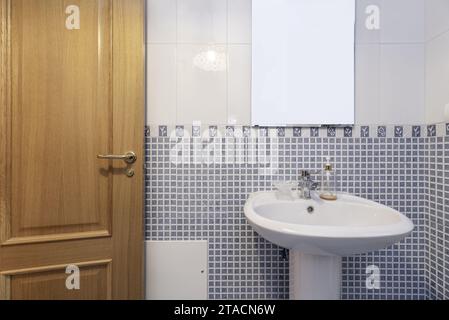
(303, 59)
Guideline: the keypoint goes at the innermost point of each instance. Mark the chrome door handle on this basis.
(129, 157)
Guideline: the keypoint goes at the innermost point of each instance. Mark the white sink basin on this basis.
(348, 226)
(318, 233)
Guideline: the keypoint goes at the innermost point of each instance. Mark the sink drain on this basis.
(310, 209)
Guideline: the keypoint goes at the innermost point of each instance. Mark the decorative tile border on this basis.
(348, 132)
(314, 132)
(213, 131)
(373, 131)
(416, 131)
(432, 131)
(331, 132)
(163, 131)
(246, 132)
(398, 131)
(180, 131)
(281, 132)
(297, 132)
(230, 131)
(364, 132)
(382, 132)
(196, 131)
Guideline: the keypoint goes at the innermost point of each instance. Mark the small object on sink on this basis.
(307, 184)
(284, 190)
(328, 182)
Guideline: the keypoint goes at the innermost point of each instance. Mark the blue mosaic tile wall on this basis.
(192, 200)
(438, 222)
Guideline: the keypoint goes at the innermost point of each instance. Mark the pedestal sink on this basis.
(318, 233)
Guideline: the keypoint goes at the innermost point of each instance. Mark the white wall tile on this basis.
(161, 84)
(437, 17)
(239, 84)
(368, 84)
(202, 95)
(161, 21)
(402, 84)
(202, 21)
(389, 89)
(239, 21)
(403, 21)
(437, 78)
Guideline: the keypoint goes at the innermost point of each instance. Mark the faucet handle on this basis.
(304, 173)
(308, 173)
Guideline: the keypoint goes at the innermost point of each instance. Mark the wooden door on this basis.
(71, 88)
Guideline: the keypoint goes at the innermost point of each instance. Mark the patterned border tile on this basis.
(398, 131)
(348, 132)
(377, 131)
(416, 131)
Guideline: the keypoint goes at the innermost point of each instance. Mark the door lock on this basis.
(130, 173)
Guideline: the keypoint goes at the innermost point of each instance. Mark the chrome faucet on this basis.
(306, 184)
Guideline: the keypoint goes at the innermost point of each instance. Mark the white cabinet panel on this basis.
(176, 270)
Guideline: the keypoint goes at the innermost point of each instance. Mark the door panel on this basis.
(45, 283)
(67, 96)
(60, 118)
